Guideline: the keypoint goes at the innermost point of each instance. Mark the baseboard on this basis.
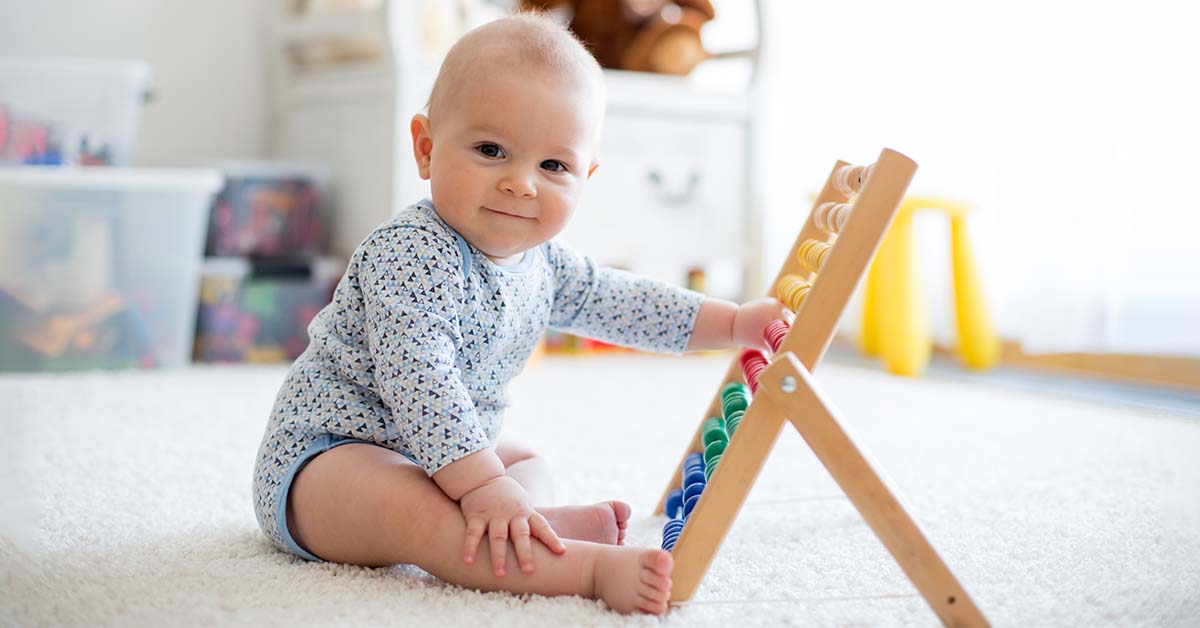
(1176, 372)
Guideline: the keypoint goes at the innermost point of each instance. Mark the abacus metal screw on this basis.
(788, 384)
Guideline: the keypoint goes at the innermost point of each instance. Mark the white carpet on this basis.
(126, 501)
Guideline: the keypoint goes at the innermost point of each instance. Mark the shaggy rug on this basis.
(126, 502)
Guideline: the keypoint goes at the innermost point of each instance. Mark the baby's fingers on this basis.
(519, 533)
(475, 529)
(543, 532)
(498, 538)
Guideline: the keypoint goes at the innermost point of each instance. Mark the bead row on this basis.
(715, 433)
(775, 332)
(792, 291)
(812, 254)
(681, 502)
(849, 179)
(831, 217)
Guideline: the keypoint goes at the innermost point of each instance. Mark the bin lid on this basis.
(197, 180)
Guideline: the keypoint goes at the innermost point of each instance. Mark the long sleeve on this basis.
(412, 282)
(619, 307)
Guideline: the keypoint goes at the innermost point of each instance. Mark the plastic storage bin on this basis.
(269, 209)
(259, 312)
(100, 268)
(62, 111)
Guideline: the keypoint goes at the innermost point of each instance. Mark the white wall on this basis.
(1072, 125)
(206, 57)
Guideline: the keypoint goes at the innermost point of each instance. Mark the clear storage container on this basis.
(65, 111)
(100, 267)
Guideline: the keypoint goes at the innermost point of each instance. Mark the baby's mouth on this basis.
(504, 213)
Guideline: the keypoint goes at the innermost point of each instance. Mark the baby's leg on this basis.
(604, 522)
(366, 505)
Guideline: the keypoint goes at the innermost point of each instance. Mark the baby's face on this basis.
(509, 158)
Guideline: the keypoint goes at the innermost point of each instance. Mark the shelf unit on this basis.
(678, 158)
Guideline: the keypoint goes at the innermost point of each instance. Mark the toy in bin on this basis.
(263, 213)
(259, 311)
(61, 310)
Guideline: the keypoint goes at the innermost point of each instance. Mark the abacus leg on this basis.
(791, 389)
(732, 374)
(723, 497)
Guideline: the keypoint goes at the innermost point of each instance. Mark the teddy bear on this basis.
(641, 35)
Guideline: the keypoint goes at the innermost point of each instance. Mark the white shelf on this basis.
(658, 94)
(331, 25)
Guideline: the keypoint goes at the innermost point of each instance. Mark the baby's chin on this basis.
(507, 255)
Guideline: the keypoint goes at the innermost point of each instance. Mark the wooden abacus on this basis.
(829, 257)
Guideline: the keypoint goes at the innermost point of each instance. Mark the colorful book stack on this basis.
(264, 278)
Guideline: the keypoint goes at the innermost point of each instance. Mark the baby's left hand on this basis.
(752, 318)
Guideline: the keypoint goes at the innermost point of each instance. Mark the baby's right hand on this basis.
(501, 509)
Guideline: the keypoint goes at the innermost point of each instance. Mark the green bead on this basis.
(732, 387)
(714, 450)
(712, 466)
(713, 434)
(734, 403)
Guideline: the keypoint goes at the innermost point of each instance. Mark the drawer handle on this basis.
(681, 197)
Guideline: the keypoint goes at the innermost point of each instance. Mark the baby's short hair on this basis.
(525, 40)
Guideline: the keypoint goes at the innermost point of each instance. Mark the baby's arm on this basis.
(721, 324)
(632, 311)
(494, 503)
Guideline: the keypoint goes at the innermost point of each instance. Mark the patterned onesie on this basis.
(424, 333)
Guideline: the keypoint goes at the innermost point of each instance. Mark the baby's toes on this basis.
(654, 586)
(656, 581)
(658, 561)
(654, 605)
(621, 512)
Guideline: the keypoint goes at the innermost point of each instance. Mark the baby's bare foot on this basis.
(632, 579)
(604, 522)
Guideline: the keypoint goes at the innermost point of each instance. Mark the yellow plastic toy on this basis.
(894, 324)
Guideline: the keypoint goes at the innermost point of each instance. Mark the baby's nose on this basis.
(519, 183)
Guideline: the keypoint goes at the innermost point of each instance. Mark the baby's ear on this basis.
(592, 169)
(422, 139)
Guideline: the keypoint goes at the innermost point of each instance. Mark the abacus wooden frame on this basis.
(801, 403)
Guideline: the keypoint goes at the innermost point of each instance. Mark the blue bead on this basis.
(689, 504)
(693, 477)
(692, 490)
(674, 503)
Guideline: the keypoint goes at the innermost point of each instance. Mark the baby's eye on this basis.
(554, 165)
(489, 149)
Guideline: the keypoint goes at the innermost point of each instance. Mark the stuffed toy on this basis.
(641, 35)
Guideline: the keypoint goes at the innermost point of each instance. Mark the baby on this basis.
(382, 445)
